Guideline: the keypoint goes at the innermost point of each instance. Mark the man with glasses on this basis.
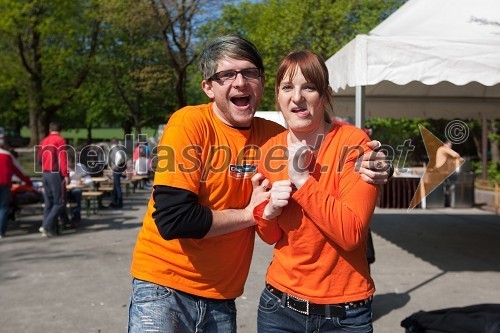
(193, 252)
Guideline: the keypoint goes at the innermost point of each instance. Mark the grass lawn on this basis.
(79, 135)
(74, 137)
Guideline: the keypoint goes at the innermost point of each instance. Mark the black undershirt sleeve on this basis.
(178, 214)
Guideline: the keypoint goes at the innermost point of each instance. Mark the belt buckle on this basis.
(300, 300)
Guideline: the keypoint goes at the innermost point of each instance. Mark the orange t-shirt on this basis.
(320, 251)
(199, 153)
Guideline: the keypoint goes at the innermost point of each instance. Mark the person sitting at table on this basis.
(79, 178)
(141, 168)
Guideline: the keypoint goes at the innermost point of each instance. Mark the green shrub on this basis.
(493, 170)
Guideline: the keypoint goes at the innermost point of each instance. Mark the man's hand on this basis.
(66, 181)
(281, 192)
(375, 168)
(259, 193)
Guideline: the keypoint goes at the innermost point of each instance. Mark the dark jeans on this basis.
(4, 208)
(117, 190)
(273, 317)
(54, 195)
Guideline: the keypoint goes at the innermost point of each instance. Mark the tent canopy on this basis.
(429, 59)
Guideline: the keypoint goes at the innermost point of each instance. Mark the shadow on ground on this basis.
(455, 243)
(452, 242)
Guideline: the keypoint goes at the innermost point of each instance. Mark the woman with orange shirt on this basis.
(318, 213)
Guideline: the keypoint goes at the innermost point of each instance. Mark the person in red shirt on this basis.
(53, 156)
(8, 167)
(319, 211)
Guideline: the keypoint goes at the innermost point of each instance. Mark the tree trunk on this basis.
(127, 127)
(478, 145)
(180, 88)
(495, 152)
(137, 113)
(89, 134)
(33, 124)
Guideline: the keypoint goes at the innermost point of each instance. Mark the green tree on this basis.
(394, 133)
(54, 44)
(280, 26)
(11, 105)
(142, 78)
(178, 22)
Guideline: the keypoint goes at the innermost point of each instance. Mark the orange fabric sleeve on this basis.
(268, 230)
(343, 218)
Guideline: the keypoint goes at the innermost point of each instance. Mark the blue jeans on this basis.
(4, 208)
(54, 196)
(154, 308)
(117, 190)
(272, 317)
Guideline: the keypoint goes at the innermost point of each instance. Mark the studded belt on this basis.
(305, 307)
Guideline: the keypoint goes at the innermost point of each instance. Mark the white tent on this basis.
(429, 59)
(275, 116)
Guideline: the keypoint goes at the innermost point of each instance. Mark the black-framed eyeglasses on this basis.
(230, 75)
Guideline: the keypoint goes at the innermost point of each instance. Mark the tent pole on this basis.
(360, 107)
(484, 141)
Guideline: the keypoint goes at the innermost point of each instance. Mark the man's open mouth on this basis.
(241, 101)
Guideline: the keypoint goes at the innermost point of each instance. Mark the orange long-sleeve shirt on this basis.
(320, 250)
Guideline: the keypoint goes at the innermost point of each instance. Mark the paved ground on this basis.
(79, 282)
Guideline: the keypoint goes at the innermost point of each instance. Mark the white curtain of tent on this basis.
(429, 59)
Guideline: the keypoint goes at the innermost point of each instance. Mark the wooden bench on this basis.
(138, 181)
(92, 201)
(20, 208)
(106, 188)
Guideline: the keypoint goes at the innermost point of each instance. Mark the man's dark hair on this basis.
(55, 126)
(228, 46)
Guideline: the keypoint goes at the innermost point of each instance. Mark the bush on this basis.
(493, 170)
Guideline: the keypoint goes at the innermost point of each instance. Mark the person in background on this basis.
(447, 165)
(118, 164)
(9, 166)
(141, 166)
(135, 154)
(193, 252)
(79, 178)
(53, 156)
(447, 160)
(319, 211)
(147, 150)
(141, 147)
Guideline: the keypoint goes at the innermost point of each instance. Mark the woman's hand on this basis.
(280, 193)
(299, 157)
